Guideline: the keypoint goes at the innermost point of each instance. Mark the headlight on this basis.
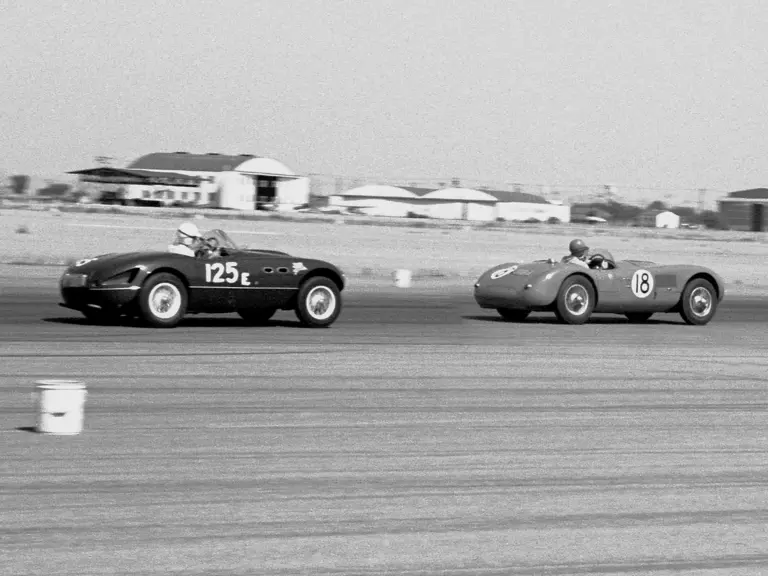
(74, 280)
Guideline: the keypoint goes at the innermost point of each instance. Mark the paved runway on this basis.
(418, 435)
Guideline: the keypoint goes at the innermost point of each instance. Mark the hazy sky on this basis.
(666, 93)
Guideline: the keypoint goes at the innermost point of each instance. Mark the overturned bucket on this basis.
(403, 278)
(61, 406)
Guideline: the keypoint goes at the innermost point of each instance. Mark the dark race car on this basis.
(161, 287)
(634, 288)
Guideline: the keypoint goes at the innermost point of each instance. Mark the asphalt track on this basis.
(418, 435)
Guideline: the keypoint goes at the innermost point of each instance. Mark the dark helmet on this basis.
(577, 247)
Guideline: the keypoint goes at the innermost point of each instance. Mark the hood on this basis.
(513, 273)
(113, 262)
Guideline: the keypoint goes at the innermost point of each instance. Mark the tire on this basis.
(698, 303)
(638, 317)
(575, 300)
(319, 289)
(151, 302)
(513, 315)
(256, 316)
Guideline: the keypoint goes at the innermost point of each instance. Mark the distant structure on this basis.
(658, 219)
(241, 182)
(745, 210)
(449, 203)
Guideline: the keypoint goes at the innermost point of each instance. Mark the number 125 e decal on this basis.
(219, 273)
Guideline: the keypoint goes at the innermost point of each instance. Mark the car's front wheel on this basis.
(698, 302)
(318, 303)
(575, 300)
(163, 300)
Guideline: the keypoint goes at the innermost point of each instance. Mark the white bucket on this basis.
(60, 406)
(403, 278)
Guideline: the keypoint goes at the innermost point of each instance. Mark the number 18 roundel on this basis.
(642, 283)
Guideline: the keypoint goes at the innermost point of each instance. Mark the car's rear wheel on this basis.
(638, 317)
(318, 302)
(163, 300)
(698, 302)
(513, 315)
(256, 316)
(575, 300)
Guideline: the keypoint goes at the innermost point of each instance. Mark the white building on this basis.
(243, 182)
(459, 204)
(659, 219)
(452, 203)
(376, 200)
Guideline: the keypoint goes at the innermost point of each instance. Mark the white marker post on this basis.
(402, 278)
(60, 406)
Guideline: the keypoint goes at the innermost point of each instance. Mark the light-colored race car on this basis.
(635, 288)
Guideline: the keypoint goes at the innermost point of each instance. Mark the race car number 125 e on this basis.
(220, 273)
(160, 288)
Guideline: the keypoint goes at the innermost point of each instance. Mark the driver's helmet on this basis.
(187, 233)
(578, 248)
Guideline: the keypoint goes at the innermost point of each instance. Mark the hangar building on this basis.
(745, 210)
(452, 203)
(242, 182)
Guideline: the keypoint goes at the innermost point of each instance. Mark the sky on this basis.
(668, 93)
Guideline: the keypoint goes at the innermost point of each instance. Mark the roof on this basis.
(461, 194)
(523, 197)
(129, 175)
(753, 193)
(379, 191)
(417, 190)
(171, 161)
(655, 213)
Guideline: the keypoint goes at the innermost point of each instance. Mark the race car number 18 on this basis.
(642, 283)
(218, 273)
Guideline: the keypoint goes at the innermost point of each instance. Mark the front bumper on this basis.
(83, 297)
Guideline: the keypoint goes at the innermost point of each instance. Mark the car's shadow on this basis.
(190, 322)
(553, 320)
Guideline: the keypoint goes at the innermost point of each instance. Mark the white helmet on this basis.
(186, 233)
(189, 229)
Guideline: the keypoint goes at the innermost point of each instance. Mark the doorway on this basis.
(266, 192)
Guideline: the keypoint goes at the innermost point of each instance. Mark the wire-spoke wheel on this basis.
(163, 300)
(575, 300)
(699, 302)
(318, 303)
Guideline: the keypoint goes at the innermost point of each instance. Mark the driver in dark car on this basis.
(187, 240)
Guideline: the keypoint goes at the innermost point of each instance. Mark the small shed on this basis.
(659, 219)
